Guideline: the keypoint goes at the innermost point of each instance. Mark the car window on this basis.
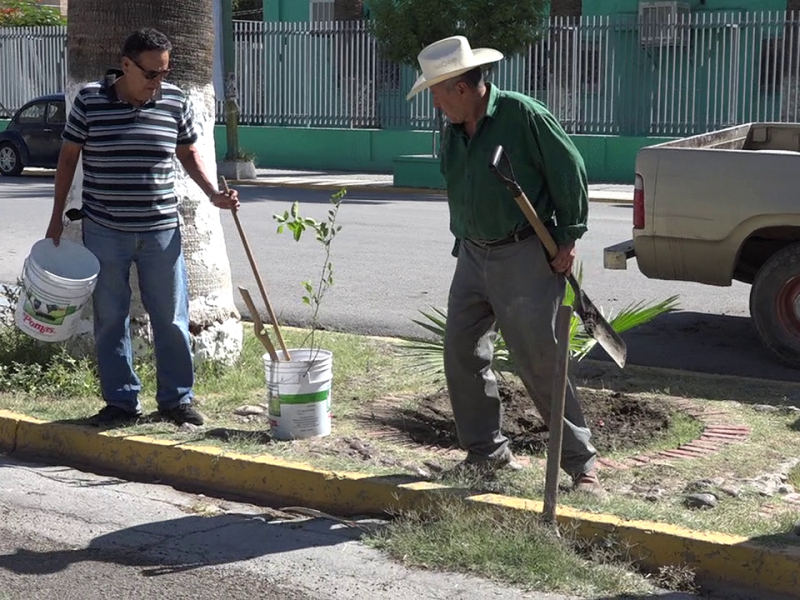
(32, 114)
(56, 113)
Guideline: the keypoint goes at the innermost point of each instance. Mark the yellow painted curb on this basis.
(731, 560)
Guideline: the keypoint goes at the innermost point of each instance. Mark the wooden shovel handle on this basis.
(257, 275)
(500, 165)
(541, 231)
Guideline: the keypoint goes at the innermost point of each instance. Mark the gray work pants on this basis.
(513, 288)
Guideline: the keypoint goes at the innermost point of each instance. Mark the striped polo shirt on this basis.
(128, 154)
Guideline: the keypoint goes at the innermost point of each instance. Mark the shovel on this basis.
(258, 326)
(593, 321)
(260, 283)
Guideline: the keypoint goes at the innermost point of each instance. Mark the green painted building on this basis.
(623, 75)
(302, 10)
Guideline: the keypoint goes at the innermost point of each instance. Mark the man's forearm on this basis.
(196, 169)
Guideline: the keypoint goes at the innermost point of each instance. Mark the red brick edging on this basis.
(716, 434)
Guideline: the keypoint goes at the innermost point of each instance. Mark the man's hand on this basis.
(562, 263)
(55, 228)
(226, 200)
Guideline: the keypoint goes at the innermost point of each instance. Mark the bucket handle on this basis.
(24, 269)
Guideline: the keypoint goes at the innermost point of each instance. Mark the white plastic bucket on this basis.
(299, 393)
(57, 281)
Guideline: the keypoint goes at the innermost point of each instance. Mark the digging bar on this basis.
(556, 428)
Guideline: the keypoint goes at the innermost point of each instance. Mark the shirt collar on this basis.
(494, 93)
(107, 86)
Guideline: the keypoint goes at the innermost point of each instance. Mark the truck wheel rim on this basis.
(7, 159)
(788, 302)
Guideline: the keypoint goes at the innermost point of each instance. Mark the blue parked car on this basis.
(33, 137)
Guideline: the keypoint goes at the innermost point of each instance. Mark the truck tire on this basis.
(10, 160)
(775, 304)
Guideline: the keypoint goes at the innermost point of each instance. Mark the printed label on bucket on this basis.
(298, 416)
(46, 310)
(276, 400)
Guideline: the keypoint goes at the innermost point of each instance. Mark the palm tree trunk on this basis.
(95, 34)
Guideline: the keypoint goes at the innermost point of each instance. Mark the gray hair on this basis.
(473, 79)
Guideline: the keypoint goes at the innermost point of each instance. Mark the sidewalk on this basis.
(371, 182)
(378, 182)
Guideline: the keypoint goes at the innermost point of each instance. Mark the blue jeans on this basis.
(164, 288)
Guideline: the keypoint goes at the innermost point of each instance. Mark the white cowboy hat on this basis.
(448, 58)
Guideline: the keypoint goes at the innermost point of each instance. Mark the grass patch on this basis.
(52, 385)
(682, 430)
(510, 547)
(369, 378)
(794, 477)
(656, 492)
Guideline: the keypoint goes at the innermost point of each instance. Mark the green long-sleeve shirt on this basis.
(547, 166)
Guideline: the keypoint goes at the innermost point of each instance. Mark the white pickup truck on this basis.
(725, 206)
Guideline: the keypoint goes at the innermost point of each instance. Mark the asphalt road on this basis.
(392, 259)
(73, 535)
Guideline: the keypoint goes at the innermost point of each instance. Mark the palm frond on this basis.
(639, 314)
(437, 322)
(427, 356)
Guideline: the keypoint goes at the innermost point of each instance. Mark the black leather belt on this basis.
(517, 236)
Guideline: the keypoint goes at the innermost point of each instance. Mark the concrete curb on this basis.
(715, 557)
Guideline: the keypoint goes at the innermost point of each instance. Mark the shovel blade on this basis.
(599, 329)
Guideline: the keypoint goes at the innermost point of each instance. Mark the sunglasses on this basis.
(150, 74)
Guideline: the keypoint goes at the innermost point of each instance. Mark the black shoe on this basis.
(183, 413)
(114, 415)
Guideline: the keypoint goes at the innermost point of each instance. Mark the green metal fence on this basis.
(672, 75)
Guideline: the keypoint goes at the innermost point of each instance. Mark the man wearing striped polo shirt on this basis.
(128, 127)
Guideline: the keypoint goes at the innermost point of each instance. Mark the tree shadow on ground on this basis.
(183, 544)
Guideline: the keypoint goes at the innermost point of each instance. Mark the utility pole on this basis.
(229, 67)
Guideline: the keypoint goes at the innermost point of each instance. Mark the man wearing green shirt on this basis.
(503, 277)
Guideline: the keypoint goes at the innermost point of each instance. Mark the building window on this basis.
(321, 10)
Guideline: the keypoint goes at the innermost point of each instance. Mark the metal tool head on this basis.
(501, 167)
(598, 327)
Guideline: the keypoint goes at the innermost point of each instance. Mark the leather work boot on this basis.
(589, 482)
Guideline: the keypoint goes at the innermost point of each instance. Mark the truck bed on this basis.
(710, 199)
(750, 136)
